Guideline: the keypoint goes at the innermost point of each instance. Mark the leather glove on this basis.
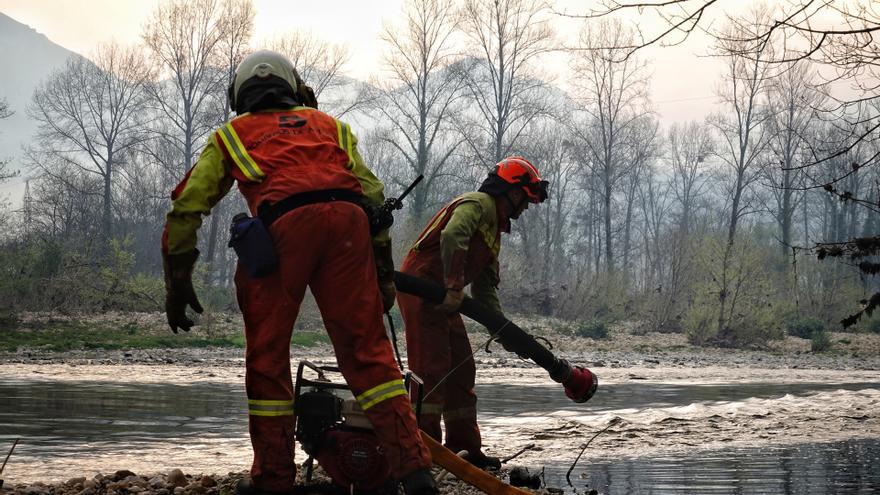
(179, 292)
(385, 274)
(452, 300)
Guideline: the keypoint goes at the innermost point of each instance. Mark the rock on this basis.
(156, 482)
(195, 488)
(177, 479)
(89, 484)
(520, 476)
(208, 482)
(179, 490)
(76, 481)
(36, 489)
(87, 491)
(122, 474)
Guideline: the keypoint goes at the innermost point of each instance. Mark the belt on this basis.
(269, 212)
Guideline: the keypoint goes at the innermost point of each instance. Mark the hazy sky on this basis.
(682, 83)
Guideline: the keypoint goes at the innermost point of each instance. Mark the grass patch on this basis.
(64, 335)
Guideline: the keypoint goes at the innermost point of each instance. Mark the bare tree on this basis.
(419, 94)
(794, 103)
(237, 25)
(320, 64)
(744, 138)
(614, 97)
(5, 113)
(690, 146)
(90, 115)
(183, 37)
(640, 151)
(508, 36)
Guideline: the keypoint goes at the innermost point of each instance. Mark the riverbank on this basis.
(144, 338)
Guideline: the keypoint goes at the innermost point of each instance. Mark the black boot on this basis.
(419, 482)
(483, 461)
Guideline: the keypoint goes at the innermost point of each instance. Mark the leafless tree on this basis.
(690, 146)
(419, 95)
(508, 37)
(640, 151)
(543, 231)
(613, 95)
(5, 113)
(90, 116)
(320, 64)
(794, 103)
(237, 25)
(744, 138)
(183, 37)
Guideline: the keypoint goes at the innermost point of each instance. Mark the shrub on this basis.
(820, 341)
(874, 325)
(593, 329)
(803, 326)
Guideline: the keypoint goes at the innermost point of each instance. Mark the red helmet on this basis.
(518, 171)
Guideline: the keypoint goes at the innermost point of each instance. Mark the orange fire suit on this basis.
(326, 246)
(459, 247)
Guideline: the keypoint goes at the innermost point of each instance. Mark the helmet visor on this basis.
(537, 191)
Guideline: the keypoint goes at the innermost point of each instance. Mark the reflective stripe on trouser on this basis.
(436, 342)
(324, 246)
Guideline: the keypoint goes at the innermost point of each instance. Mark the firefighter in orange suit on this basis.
(459, 247)
(300, 172)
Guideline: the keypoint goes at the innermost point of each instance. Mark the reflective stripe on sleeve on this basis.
(345, 138)
(381, 392)
(239, 155)
(270, 407)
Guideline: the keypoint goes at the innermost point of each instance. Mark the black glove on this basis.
(179, 290)
(385, 274)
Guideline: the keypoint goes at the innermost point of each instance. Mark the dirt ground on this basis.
(829, 415)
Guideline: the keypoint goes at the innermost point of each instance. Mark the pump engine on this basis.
(333, 430)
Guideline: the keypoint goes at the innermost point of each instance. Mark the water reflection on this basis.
(850, 467)
(73, 429)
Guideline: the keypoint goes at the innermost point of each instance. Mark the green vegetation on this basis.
(820, 341)
(804, 326)
(592, 329)
(64, 335)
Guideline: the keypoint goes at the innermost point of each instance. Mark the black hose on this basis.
(512, 337)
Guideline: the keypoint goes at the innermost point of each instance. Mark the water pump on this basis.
(333, 430)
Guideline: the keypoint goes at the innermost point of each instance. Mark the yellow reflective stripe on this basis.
(381, 392)
(239, 155)
(270, 407)
(345, 139)
(437, 219)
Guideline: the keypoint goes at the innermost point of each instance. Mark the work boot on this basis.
(483, 461)
(419, 482)
(246, 487)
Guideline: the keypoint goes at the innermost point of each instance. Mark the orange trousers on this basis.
(327, 247)
(437, 344)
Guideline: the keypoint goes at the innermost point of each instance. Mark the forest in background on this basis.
(713, 228)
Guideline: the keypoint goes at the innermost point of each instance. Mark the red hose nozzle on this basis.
(581, 384)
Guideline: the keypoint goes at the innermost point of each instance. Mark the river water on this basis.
(71, 428)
